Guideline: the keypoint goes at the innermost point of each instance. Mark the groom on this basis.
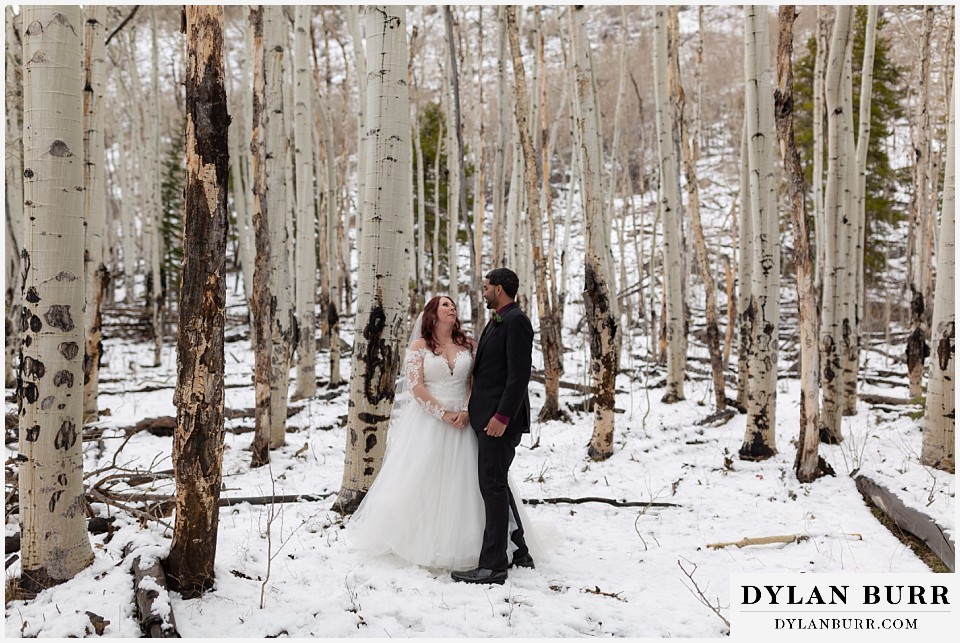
(500, 414)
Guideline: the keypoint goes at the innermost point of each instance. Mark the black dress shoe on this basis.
(526, 560)
(481, 575)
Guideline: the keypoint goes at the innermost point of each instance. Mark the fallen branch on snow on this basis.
(609, 501)
(763, 540)
(698, 593)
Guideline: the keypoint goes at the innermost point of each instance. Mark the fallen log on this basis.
(920, 525)
(267, 500)
(164, 426)
(610, 501)
(718, 418)
(871, 398)
(582, 388)
(762, 540)
(156, 616)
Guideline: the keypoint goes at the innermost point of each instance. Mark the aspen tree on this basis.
(382, 282)
(689, 144)
(599, 300)
(239, 136)
(818, 135)
(262, 308)
(360, 64)
(808, 465)
(13, 173)
(199, 396)
(454, 161)
(550, 339)
(939, 446)
(920, 250)
(830, 323)
(504, 126)
(54, 542)
(96, 275)
(759, 441)
(154, 208)
(855, 256)
(670, 209)
(283, 324)
(306, 253)
(745, 311)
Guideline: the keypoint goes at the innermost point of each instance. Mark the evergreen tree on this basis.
(171, 226)
(882, 209)
(431, 119)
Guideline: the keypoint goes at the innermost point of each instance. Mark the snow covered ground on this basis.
(609, 570)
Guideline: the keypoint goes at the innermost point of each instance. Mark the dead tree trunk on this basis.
(808, 464)
(199, 396)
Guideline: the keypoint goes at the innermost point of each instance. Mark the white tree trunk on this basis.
(275, 137)
(504, 128)
(95, 205)
(760, 436)
(818, 135)
(13, 173)
(54, 542)
(939, 434)
(454, 159)
(333, 251)
(238, 137)
(599, 298)
(360, 63)
(744, 274)
(306, 252)
(154, 210)
(830, 324)
(383, 282)
(847, 241)
(921, 252)
(670, 207)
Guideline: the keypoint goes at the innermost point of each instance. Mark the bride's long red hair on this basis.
(429, 324)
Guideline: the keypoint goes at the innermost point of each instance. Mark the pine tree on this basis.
(883, 209)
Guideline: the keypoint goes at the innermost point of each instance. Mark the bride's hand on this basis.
(462, 420)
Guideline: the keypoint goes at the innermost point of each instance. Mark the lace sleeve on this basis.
(413, 377)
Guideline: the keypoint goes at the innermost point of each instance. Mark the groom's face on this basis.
(490, 293)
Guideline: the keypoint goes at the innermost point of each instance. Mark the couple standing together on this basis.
(442, 498)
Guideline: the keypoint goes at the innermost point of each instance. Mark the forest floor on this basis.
(626, 571)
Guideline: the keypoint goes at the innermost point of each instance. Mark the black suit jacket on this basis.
(501, 373)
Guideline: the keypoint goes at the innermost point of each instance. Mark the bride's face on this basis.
(446, 312)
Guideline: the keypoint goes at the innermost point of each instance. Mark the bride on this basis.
(425, 505)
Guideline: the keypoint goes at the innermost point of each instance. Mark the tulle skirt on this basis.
(425, 505)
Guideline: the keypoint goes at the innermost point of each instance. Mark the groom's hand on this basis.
(495, 428)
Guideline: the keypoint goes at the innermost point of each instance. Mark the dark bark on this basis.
(198, 442)
(153, 625)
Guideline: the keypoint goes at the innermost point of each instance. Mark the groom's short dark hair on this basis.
(506, 278)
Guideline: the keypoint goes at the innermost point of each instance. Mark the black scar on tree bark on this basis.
(379, 358)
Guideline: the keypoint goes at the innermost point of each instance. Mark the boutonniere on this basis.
(497, 319)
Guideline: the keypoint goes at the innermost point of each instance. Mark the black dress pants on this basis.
(494, 458)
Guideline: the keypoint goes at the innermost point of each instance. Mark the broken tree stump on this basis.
(920, 525)
(156, 616)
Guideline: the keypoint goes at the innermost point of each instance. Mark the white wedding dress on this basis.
(425, 505)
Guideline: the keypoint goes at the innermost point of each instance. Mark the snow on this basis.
(612, 571)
